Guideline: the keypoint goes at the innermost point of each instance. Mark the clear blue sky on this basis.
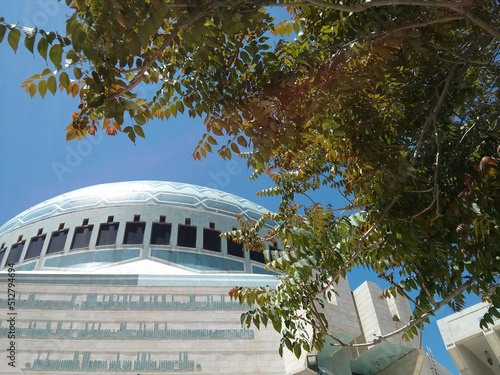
(37, 163)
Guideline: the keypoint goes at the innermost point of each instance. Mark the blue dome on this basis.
(154, 193)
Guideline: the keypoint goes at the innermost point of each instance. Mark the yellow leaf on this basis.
(32, 89)
(70, 135)
(211, 140)
(74, 90)
(235, 148)
(217, 131)
(106, 123)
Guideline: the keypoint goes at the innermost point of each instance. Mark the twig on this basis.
(364, 6)
(424, 285)
(479, 22)
(168, 39)
(361, 242)
(433, 116)
(414, 322)
(400, 290)
(467, 132)
(321, 330)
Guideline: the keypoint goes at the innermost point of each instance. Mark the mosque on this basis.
(133, 278)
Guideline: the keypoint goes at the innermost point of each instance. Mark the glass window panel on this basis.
(234, 248)
(35, 247)
(134, 233)
(107, 234)
(15, 253)
(186, 235)
(257, 256)
(57, 241)
(81, 238)
(160, 234)
(211, 239)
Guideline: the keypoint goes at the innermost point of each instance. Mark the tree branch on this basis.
(368, 4)
(321, 330)
(414, 322)
(456, 6)
(400, 290)
(361, 243)
(167, 40)
(433, 116)
(480, 23)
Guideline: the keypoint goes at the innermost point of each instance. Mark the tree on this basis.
(394, 103)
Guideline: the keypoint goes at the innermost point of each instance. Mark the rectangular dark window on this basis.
(107, 234)
(15, 252)
(57, 241)
(234, 248)
(257, 256)
(186, 235)
(81, 238)
(211, 239)
(35, 247)
(134, 232)
(160, 233)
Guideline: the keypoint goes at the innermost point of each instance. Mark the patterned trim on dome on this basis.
(138, 193)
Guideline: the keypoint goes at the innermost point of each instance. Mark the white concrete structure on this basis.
(474, 350)
(133, 278)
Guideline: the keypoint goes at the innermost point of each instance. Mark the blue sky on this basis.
(37, 163)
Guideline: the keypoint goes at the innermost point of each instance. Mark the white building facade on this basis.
(133, 278)
(474, 350)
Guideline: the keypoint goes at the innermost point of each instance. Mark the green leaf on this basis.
(143, 35)
(78, 36)
(173, 110)
(140, 119)
(42, 88)
(71, 57)
(29, 43)
(50, 36)
(139, 131)
(64, 80)
(32, 89)
(242, 141)
(13, 38)
(134, 45)
(297, 350)
(2, 32)
(52, 84)
(55, 54)
(42, 48)
(180, 106)
(235, 148)
(77, 72)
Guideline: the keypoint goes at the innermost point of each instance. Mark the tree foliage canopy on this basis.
(394, 103)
